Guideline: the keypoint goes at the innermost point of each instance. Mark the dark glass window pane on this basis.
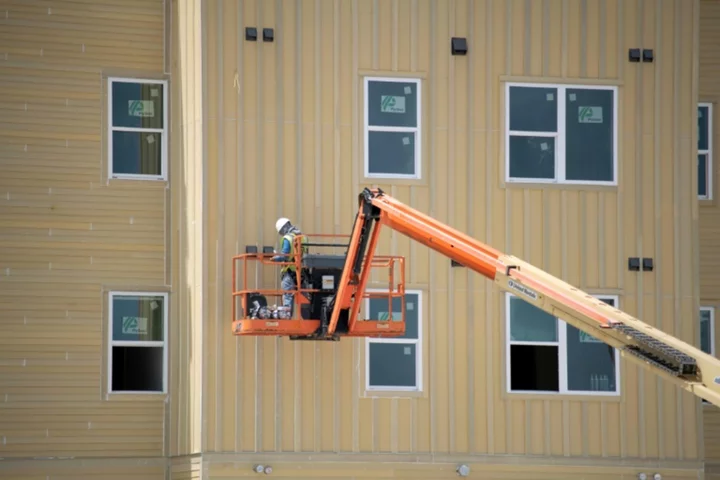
(392, 365)
(534, 367)
(702, 175)
(589, 135)
(703, 127)
(590, 363)
(138, 369)
(137, 153)
(392, 104)
(138, 105)
(530, 324)
(532, 157)
(705, 331)
(138, 318)
(391, 153)
(379, 311)
(533, 109)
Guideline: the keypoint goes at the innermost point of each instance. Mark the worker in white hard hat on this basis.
(288, 276)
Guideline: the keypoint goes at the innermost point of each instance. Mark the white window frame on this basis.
(162, 131)
(132, 343)
(561, 344)
(417, 342)
(708, 152)
(417, 131)
(559, 136)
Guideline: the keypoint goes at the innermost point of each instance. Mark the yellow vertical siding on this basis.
(185, 429)
(284, 137)
(67, 236)
(709, 91)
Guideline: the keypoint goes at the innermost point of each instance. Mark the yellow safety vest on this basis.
(290, 237)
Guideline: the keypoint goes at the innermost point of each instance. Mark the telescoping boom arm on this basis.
(667, 356)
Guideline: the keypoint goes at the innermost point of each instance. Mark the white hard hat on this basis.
(281, 222)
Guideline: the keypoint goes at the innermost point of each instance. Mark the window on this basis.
(705, 151)
(707, 330)
(138, 342)
(392, 128)
(546, 355)
(707, 333)
(395, 364)
(137, 141)
(561, 134)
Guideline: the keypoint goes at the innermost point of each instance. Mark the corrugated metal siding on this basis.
(83, 33)
(82, 470)
(184, 468)
(709, 86)
(286, 141)
(65, 234)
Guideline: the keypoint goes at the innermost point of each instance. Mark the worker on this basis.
(287, 232)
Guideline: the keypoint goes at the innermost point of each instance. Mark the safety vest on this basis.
(290, 237)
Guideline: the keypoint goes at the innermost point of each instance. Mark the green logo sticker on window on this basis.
(385, 316)
(590, 115)
(392, 104)
(141, 108)
(134, 326)
(587, 338)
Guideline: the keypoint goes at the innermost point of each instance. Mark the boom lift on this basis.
(333, 287)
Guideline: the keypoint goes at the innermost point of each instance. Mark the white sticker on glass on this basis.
(573, 97)
(550, 97)
(543, 146)
(408, 90)
(408, 351)
(406, 140)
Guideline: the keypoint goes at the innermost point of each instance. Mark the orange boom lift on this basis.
(332, 288)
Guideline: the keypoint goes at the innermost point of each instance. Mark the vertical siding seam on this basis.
(546, 38)
(527, 50)
(433, 182)
(583, 38)
(337, 183)
(220, 240)
(375, 34)
(317, 124)
(280, 159)
(204, 194)
(356, 345)
(470, 215)
(297, 350)
(394, 35)
(676, 208)
(490, 291)
(239, 117)
(413, 36)
(508, 222)
(450, 165)
(564, 48)
(620, 222)
(658, 110)
(603, 39)
(260, 342)
(638, 191)
(699, 412)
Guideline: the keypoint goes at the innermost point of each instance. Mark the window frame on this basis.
(708, 152)
(134, 343)
(561, 344)
(406, 341)
(162, 131)
(559, 136)
(367, 128)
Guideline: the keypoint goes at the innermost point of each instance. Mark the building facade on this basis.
(144, 143)
(708, 138)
